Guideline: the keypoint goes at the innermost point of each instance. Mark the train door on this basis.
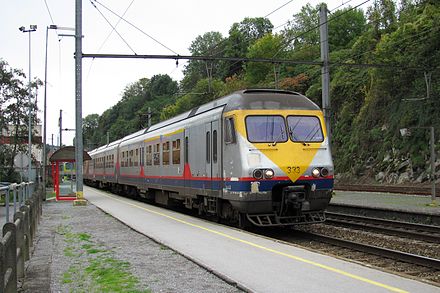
(186, 166)
(208, 156)
(213, 157)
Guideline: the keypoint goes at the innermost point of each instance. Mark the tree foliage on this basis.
(369, 105)
(14, 116)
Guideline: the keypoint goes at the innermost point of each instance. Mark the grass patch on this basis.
(93, 267)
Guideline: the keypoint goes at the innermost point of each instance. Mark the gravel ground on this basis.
(77, 246)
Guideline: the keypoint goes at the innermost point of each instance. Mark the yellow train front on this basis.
(277, 165)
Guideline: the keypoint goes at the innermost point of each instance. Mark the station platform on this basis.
(255, 263)
(392, 201)
(249, 262)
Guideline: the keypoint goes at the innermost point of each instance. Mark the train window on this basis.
(214, 146)
(305, 129)
(186, 150)
(176, 152)
(166, 153)
(229, 130)
(208, 147)
(149, 159)
(156, 155)
(266, 129)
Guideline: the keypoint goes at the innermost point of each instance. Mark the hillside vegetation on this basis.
(369, 104)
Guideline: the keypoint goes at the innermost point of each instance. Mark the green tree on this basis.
(209, 44)
(242, 35)
(345, 26)
(302, 30)
(264, 47)
(14, 115)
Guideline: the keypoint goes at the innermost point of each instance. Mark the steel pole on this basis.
(45, 117)
(30, 113)
(325, 69)
(78, 104)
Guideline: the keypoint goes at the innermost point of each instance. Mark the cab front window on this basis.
(266, 128)
(305, 129)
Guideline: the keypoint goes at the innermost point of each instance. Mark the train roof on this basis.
(258, 99)
(249, 99)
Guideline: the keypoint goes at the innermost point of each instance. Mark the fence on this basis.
(19, 234)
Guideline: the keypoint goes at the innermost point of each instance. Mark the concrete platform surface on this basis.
(256, 263)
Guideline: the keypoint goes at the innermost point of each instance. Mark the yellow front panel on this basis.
(293, 158)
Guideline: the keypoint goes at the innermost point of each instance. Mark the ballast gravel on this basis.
(70, 239)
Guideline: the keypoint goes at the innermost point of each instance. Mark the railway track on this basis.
(410, 189)
(395, 246)
(423, 261)
(431, 219)
(414, 231)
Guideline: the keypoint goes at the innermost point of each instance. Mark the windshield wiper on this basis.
(294, 138)
(279, 136)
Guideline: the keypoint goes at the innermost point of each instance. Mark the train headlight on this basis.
(316, 173)
(258, 174)
(269, 173)
(324, 172)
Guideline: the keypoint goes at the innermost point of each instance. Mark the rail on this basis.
(375, 250)
(18, 234)
(391, 227)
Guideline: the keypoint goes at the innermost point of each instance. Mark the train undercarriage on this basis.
(284, 206)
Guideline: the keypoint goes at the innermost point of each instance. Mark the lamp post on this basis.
(31, 29)
(407, 132)
(53, 27)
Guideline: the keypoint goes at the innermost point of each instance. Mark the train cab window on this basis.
(149, 158)
(229, 130)
(305, 129)
(166, 153)
(156, 155)
(208, 147)
(214, 146)
(270, 129)
(176, 152)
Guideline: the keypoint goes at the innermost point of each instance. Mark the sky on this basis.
(175, 24)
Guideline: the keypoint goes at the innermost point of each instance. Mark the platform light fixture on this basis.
(50, 27)
(31, 29)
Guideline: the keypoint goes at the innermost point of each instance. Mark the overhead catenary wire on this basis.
(51, 18)
(272, 12)
(113, 27)
(211, 48)
(244, 59)
(318, 26)
(310, 30)
(108, 36)
(117, 23)
(134, 26)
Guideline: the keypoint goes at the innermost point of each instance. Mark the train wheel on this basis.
(243, 222)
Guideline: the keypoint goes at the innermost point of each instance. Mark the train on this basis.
(254, 157)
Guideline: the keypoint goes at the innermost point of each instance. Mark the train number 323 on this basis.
(293, 170)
